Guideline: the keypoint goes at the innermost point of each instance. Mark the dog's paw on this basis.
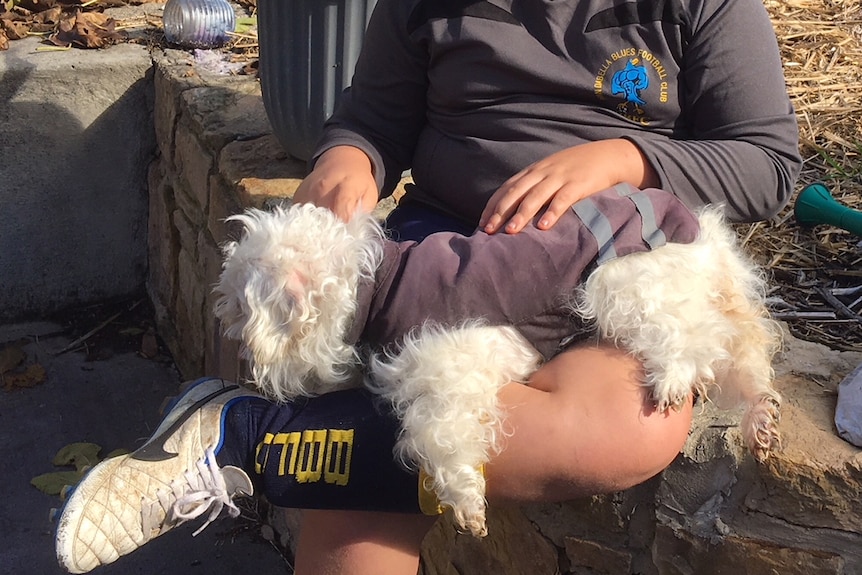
(760, 427)
(468, 510)
(669, 393)
(476, 526)
(676, 403)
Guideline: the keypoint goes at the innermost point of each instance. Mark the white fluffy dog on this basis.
(692, 312)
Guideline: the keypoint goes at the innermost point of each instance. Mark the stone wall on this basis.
(714, 511)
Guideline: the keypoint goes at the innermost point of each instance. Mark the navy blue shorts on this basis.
(415, 221)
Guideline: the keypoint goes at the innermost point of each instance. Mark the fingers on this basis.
(552, 185)
(343, 193)
(519, 200)
(345, 200)
(514, 203)
(342, 181)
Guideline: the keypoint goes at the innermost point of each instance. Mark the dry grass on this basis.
(821, 45)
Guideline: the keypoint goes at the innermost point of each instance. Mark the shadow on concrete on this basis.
(113, 402)
(72, 183)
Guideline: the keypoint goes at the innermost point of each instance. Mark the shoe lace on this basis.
(203, 488)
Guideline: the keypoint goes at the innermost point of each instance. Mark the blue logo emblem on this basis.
(630, 82)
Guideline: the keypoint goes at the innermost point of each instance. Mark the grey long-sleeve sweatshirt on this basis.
(468, 92)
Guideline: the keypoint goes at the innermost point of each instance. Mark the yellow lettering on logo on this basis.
(258, 464)
(600, 79)
(289, 447)
(339, 449)
(311, 454)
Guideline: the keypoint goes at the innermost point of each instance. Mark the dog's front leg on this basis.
(443, 387)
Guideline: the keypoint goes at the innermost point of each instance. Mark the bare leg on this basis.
(360, 543)
(584, 426)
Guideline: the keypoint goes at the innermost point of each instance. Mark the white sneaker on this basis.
(128, 500)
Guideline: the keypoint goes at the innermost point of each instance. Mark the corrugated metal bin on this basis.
(308, 49)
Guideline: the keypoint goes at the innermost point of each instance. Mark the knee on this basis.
(613, 433)
(633, 446)
(663, 435)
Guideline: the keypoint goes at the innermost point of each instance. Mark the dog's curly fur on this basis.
(291, 304)
(693, 313)
(443, 385)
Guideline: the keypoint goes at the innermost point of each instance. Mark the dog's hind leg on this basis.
(694, 314)
(750, 339)
(443, 385)
(753, 344)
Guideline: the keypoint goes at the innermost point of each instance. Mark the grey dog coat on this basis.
(522, 280)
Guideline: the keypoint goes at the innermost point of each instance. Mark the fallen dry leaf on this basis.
(31, 377)
(37, 5)
(11, 357)
(15, 29)
(46, 21)
(80, 455)
(54, 482)
(86, 30)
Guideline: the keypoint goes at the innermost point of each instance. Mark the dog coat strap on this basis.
(651, 233)
(625, 220)
(599, 226)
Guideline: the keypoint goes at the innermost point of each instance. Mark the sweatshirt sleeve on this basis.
(741, 149)
(383, 112)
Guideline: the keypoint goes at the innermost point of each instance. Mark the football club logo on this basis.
(636, 79)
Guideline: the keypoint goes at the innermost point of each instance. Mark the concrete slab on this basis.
(114, 403)
(76, 140)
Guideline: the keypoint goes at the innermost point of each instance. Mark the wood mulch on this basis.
(817, 272)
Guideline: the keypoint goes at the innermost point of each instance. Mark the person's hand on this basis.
(342, 180)
(555, 183)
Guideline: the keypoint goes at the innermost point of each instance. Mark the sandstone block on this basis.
(170, 80)
(598, 559)
(260, 170)
(223, 204)
(186, 232)
(678, 553)
(193, 164)
(513, 547)
(190, 315)
(163, 249)
(228, 108)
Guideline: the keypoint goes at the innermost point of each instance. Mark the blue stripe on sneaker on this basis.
(225, 409)
(154, 448)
